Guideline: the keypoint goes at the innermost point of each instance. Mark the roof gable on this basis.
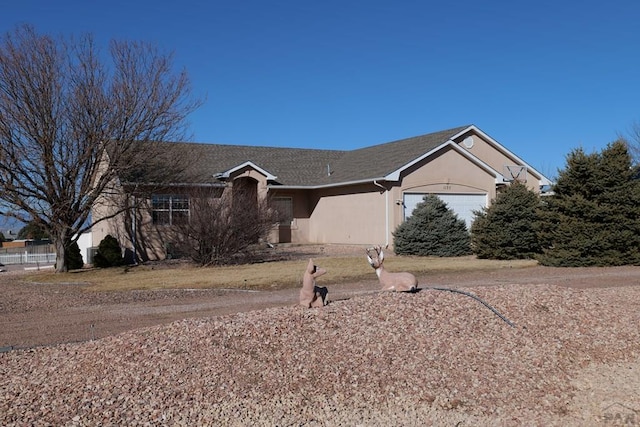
(499, 179)
(543, 181)
(226, 174)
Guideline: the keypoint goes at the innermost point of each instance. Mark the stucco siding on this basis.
(301, 211)
(448, 172)
(488, 153)
(355, 218)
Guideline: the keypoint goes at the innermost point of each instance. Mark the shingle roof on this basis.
(309, 167)
(380, 160)
(291, 166)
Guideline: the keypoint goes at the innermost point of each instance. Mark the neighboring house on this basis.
(342, 197)
(9, 234)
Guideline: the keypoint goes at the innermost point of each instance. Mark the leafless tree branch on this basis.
(63, 112)
(223, 225)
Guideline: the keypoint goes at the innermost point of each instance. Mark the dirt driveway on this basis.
(36, 315)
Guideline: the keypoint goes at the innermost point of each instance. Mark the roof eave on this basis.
(323, 186)
(226, 174)
(174, 184)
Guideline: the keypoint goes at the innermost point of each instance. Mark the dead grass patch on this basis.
(261, 276)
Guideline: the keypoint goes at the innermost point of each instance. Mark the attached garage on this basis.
(462, 204)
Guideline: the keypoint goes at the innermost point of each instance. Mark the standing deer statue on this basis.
(401, 282)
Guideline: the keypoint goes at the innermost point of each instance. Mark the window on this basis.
(284, 207)
(170, 209)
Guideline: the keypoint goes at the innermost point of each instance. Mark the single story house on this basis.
(341, 196)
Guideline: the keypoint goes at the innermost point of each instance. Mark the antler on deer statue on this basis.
(401, 282)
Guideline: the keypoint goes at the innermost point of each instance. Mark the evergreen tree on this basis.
(74, 257)
(109, 253)
(593, 218)
(32, 231)
(432, 229)
(507, 229)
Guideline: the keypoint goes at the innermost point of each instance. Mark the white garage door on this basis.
(462, 204)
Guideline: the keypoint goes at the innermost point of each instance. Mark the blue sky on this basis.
(541, 77)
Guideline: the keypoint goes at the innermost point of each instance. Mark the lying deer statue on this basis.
(401, 282)
(407, 282)
(310, 294)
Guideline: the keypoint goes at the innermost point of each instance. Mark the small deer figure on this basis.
(401, 282)
(310, 294)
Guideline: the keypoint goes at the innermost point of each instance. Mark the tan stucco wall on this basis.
(299, 227)
(155, 238)
(248, 172)
(450, 172)
(348, 215)
(486, 152)
(103, 208)
(348, 218)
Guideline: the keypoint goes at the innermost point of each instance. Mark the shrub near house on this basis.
(109, 253)
(507, 228)
(74, 257)
(432, 230)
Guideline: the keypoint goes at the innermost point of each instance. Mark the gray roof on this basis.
(309, 167)
(380, 160)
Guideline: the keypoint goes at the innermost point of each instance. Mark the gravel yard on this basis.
(368, 358)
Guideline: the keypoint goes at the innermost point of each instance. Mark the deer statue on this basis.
(310, 294)
(401, 282)
(407, 282)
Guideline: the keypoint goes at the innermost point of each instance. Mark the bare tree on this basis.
(223, 224)
(63, 111)
(633, 142)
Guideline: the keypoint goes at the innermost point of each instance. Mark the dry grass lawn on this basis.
(262, 276)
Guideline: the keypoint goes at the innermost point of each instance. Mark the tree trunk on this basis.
(62, 243)
(61, 255)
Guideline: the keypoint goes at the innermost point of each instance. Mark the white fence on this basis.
(27, 258)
